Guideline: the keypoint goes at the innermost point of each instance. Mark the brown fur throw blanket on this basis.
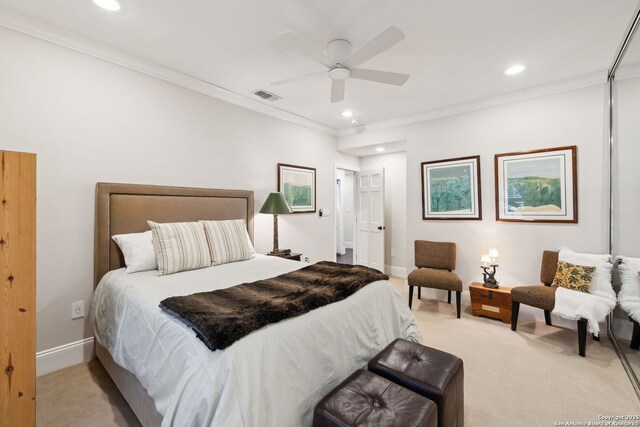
(222, 317)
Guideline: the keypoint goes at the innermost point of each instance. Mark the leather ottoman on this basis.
(434, 374)
(365, 399)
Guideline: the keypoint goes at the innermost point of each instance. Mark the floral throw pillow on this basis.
(574, 277)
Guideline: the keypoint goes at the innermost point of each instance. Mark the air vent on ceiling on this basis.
(267, 95)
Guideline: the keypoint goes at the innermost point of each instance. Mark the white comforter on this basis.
(272, 377)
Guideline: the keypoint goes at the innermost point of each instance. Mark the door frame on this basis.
(354, 169)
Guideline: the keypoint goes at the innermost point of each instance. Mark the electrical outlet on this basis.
(77, 309)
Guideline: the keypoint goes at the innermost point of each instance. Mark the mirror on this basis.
(625, 220)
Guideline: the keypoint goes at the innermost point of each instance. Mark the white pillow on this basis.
(601, 282)
(228, 241)
(180, 246)
(138, 251)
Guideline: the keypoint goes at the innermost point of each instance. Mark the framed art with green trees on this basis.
(451, 189)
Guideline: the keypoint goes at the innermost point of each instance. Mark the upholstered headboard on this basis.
(126, 208)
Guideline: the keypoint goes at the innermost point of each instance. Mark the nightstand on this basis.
(291, 256)
(494, 303)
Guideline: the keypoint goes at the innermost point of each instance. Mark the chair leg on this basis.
(635, 337)
(419, 292)
(410, 296)
(515, 308)
(458, 297)
(547, 317)
(449, 297)
(595, 337)
(582, 336)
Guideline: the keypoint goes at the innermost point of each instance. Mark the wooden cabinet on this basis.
(18, 289)
(495, 303)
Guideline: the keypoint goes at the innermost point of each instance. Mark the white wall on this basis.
(90, 121)
(345, 229)
(571, 118)
(395, 207)
(348, 194)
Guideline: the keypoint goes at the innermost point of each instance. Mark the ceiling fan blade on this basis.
(295, 41)
(337, 90)
(375, 46)
(296, 78)
(386, 77)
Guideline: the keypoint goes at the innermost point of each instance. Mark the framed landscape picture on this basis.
(298, 185)
(539, 185)
(451, 189)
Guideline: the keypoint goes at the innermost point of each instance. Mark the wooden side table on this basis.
(292, 256)
(494, 303)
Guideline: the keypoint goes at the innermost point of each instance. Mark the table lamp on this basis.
(489, 261)
(275, 205)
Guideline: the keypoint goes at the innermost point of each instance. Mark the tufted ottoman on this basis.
(365, 399)
(432, 373)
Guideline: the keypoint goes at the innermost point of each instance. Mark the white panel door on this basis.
(370, 219)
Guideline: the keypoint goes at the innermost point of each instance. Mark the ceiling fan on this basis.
(341, 62)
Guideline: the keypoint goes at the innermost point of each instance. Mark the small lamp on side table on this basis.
(489, 261)
(275, 205)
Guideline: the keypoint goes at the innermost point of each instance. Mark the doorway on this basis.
(345, 215)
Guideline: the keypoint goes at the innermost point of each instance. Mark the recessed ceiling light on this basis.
(110, 5)
(354, 121)
(516, 69)
(347, 113)
(380, 149)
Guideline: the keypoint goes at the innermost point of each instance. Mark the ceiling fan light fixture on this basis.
(354, 122)
(110, 5)
(339, 73)
(347, 114)
(342, 63)
(515, 69)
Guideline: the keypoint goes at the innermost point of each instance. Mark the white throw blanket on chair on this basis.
(594, 306)
(629, 296)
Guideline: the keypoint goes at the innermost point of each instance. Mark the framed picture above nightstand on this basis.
(298, 185)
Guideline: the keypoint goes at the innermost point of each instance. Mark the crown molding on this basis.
(33, 27)
(522, 95)
(624, 72)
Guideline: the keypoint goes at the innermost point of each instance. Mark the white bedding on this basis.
(593, 306)
(272, 377)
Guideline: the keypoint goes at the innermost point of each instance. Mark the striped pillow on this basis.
(179, 246)
(228, 241)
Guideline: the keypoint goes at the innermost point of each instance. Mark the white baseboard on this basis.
(348, 245)
(64, 356)
(396, 271)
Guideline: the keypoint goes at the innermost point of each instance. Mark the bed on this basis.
(273, 376)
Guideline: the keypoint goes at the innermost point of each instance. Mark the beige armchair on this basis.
(436, 262)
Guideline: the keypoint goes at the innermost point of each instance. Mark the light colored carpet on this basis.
(81, 396)
(532, 377)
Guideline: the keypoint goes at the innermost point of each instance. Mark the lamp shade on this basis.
(493, 253)
(276, 204)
